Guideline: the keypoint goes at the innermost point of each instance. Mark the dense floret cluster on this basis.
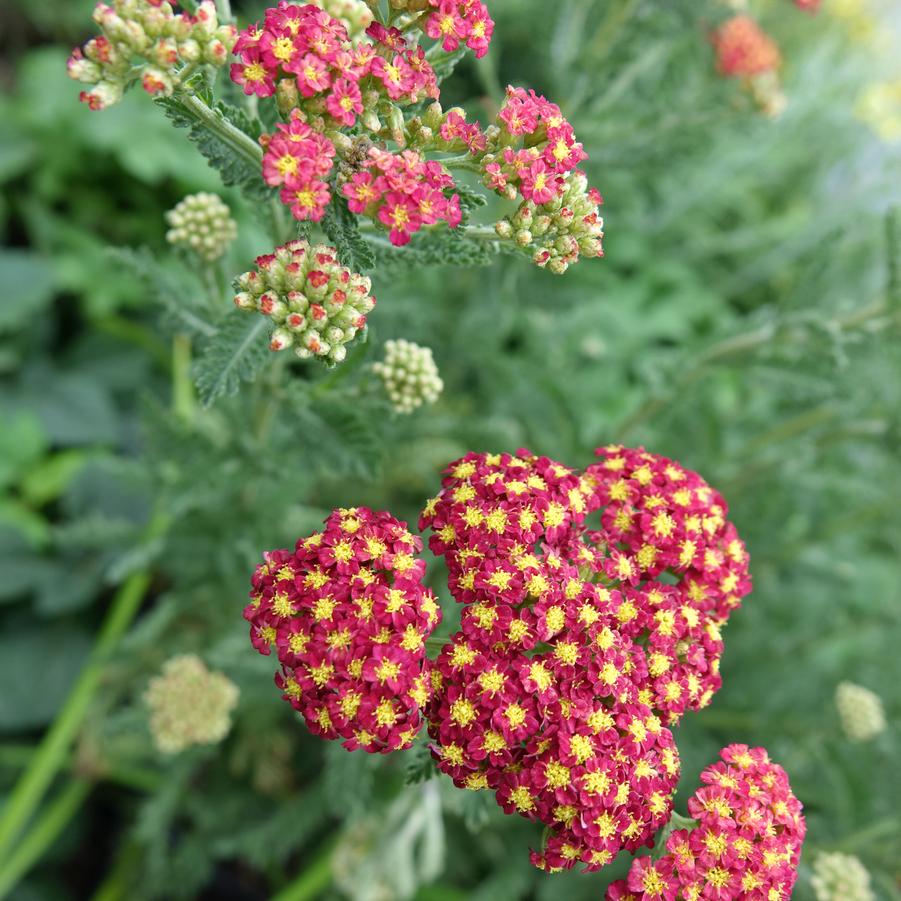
(592, 604)
(569, 635)
(347, 616)
(189, 705)
(317, 305)
(409, 375)
(146, 40)
(744, 49)
(746, 844)
(203, 224)
(860, 711)
(460, 21)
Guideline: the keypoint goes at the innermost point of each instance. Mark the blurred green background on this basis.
(745, 321)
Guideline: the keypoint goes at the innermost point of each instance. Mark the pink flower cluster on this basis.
(746, 844)
(304, 47)
(404, 192)
(538, 170)
(347, 615)
(744, 49)
(299, 159)
(460, 21)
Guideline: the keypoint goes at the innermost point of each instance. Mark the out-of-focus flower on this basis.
(202, 223)
(409, 375)
(189, 704)
(317, 305)
(860, 710)
(879, 105)
(744, 49)
(841, 877)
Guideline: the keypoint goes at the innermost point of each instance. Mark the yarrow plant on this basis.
(409, 375)
(581, 644)
(355, 141)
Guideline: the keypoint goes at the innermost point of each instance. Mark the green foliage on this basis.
(234, 354)
(744, 321)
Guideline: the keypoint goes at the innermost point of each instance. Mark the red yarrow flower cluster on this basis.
(746, 844)
(744, 49)
(347, 616)
(545, 695)
(298, 159)
(403, 192)
(460, 21)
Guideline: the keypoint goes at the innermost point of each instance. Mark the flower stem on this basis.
(311, 882)
(241, 143)
(45, 832)
(182, 387)
(53, 750)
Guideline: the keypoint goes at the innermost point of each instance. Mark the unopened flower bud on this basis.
(860, 710)
(189, 705)
(409, 375)
(202, 223)
(318, 304)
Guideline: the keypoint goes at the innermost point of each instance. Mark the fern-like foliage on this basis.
(234, 354)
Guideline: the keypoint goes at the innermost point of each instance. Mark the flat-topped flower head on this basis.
(317, 305)
(347, 616)
(746, 844)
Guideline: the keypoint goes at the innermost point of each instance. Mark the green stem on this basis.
(53, 750)
(182, 386)
(115, 886)
(45, 832)
(241, 143)
(311, 882)
(225, 11)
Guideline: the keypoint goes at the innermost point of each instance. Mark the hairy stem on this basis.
(241, 143)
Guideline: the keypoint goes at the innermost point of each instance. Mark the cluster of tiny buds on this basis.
(860, 710)
(558, 232)
(841, 877)
(189, 704)
(203, 224)
(409, 375)
(147, 40)
(317, 305)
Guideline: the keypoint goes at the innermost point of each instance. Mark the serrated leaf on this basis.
(235, 354)
(141, 262)
(441, 247)
(340, 224)
(419, 763)
(340, 431)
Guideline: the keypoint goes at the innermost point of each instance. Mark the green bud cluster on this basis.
(317, 305)
(189, 705)
(841, 877)
(146, 41)
(409, 375)
(559, 232)
(202, 223)
(860, 711)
